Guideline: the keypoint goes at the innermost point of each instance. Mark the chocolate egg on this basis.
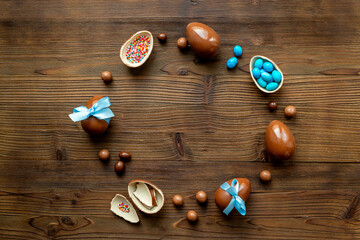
(223, 198)
(203, 40)
(280, 143)
(93, 125)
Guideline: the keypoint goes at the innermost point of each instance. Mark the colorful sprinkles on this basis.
(124, 207)
(138, 49)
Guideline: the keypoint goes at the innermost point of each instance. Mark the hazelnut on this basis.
(106, 76)
(290, 111)
(125, 155)
(162, 37)
(272, 106)
(192, 216)
(182, 43)
(104, 155)
(265, 176)
(119, 167)
(177, 200)
(201, 197)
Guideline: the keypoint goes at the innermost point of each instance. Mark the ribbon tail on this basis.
(240, 206)
(229, 207)
(79, 116)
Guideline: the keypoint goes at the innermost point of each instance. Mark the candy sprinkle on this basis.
(138, 49)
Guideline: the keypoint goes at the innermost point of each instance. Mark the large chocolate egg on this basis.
(223, 198)
(93, 125)
(280, 143)
(203, 40)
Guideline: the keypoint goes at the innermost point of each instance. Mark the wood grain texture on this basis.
(189, 124)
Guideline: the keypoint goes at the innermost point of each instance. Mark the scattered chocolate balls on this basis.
(125, 156)
(162, 37)
(192, 216)
(119, 167)
(201, 197)
(272, 106)
(106, 76)
(177, 200)
(290, 111)
(104, 154)
(265, 176)
(182, 43)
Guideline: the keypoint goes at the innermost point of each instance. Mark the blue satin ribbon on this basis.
(99, 110)
(236, 201)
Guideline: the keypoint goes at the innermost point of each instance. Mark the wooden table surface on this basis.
(189, 124)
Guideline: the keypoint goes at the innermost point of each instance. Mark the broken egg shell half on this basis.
(159, 197)
(127, 43)
(123, 208)
(265, 59)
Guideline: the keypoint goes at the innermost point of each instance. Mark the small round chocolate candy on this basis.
(106, 76)
(192, 216)
(182, 43)
(125, 155)
(119, 167)
(201, 197)
(265, 176)
(104, 155)
(290, 111)
(162, 37)
(177, 200)
(272, 106)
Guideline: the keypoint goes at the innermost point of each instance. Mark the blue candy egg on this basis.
(258, 63)
(268, 66)
(267, 77)
(231, 63)
(272, 86)
(261, 71)
(238, 51)
(261, 82)
(276, 76)
(256, 72)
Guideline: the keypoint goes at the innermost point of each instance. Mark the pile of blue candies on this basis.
(265, 75)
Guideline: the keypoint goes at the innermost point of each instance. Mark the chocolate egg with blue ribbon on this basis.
(93, 125)
(232, 194)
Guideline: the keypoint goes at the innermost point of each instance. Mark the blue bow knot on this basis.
(100, 110)
(236, 201)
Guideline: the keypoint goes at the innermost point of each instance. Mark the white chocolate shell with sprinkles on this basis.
(125, 46)
(157, 197)
(123, 208)
(252, 62)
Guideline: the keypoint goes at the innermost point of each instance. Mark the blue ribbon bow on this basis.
(99, 110)
(236, 201)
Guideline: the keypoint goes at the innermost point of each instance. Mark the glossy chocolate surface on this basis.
(223, 198)
(280, 143)
(92, 125)
(203, 40)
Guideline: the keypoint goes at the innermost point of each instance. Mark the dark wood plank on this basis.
(208, 113)
(61, 215)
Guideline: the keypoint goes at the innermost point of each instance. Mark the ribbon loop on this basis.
(100, 110)
(236, 201)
